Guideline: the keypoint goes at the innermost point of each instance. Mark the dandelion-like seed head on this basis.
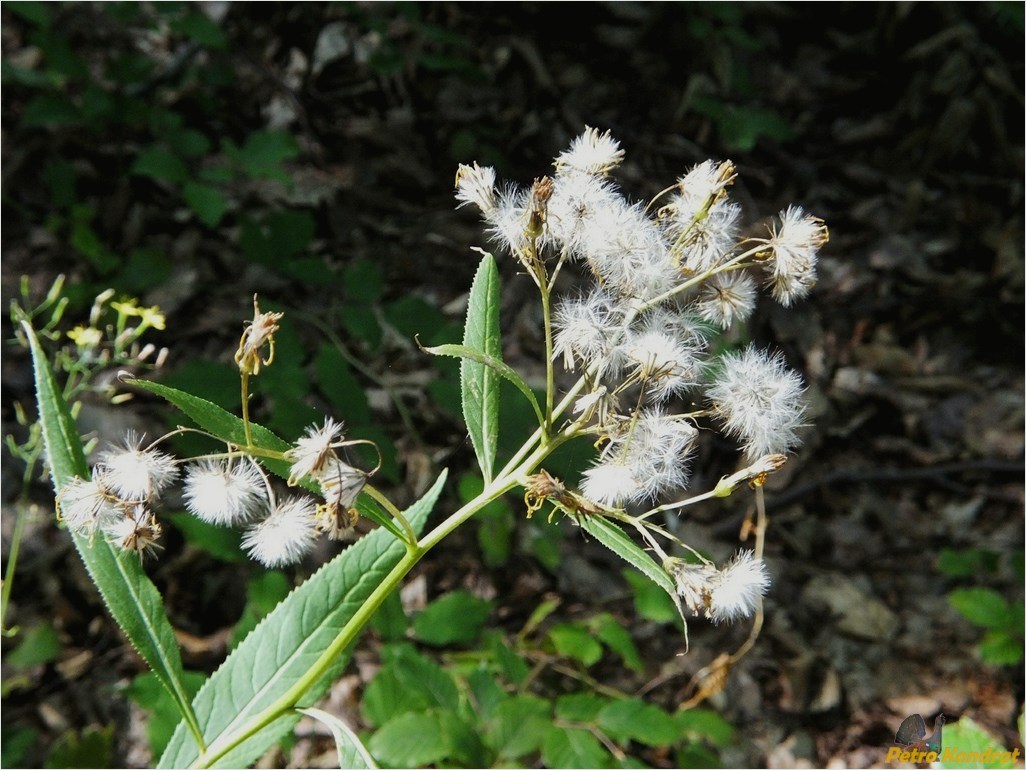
(579, 205)
(794, 247)
(87, 504)
(136, 530)
(224, 493)
(476, 184)
(738, 588)
(709, 240)
(286, 535)
(314, 450)
(593, 152)
(759, 401)
(726, 298)
(659, 451)
(611, 483)
(136, 474)
(667, 365)
(584, 327)
(507, 222)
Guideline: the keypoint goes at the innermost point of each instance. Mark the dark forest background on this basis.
(191, 155)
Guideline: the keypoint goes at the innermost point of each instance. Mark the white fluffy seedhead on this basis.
(585, 327)
(759, 401)
(738, 588)
(593, 153)
(726, 298)
(647, 457)
(136, 474)
(794, 248)
(286, 535)
(224, 493)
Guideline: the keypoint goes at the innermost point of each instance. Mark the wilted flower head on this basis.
(312, 451)
(85, 504)
(759, 400)
(476, 184)
(136, 529)
(285, 536)
(224, 493)
(259, 332)
(794, 248)
(136, 474)
(341, 483)
(592, 153)
(721, 595)
(738, 588)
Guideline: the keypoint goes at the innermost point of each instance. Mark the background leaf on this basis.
(455, 618)
(982, 606)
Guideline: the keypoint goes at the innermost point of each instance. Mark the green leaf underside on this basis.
(616, 540)
(496, 365)
(132, 599)
(351, 752)
(286, 643)
(479, 383)
(228, 427)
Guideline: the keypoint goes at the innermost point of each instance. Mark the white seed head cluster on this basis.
(119, 499)
(668, 276)
(758, 399)
(225, 493)
(721, 595)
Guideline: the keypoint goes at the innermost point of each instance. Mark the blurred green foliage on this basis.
(1002, 620)
(495, 702)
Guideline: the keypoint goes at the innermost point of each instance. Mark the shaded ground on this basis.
(900, 125)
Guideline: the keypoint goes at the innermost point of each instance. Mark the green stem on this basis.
(546, 301)
(245, 410)
(388, 505)
(12, 561)
(288, 700)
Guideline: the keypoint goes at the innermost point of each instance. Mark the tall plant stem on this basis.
(288, 700)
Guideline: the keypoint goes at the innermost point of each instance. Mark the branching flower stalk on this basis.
(664, 286)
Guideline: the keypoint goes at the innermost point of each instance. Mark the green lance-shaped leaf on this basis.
(351, 752)
(132, 599)
(501, 368)
(228, 427)
(284, 645)
(479, 383)
(617, 541)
